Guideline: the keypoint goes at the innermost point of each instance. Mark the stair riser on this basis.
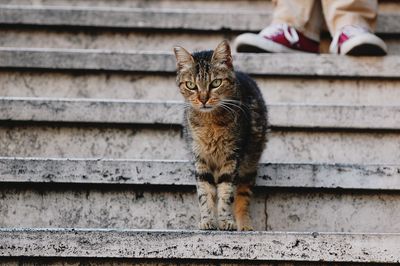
(142, 143)
(131, 40)
(133, 262)
(255, 5)
(163, 87)
(99, 208)
(132, 207)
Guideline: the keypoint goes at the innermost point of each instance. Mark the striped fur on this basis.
(225, 127)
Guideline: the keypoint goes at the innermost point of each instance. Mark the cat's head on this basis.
(206, 78)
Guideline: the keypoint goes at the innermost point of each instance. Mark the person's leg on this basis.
(305, 16)
(351, 22)
(295, 27)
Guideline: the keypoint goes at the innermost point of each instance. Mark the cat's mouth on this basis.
(206, 108)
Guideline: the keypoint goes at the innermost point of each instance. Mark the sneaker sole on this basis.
(254, 43)
(366, 49)
(365, 44)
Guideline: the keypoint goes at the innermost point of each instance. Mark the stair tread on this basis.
(171, 112)
(153, 18)
(176, 244)
(278, 64)
(178, 173)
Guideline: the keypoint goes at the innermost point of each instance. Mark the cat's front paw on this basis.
(207, 225)
(245, 228)
(227, 225)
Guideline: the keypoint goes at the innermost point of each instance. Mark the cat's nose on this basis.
(203, 100)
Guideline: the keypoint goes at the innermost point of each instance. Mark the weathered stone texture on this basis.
(176, 208)
(171, 112)
(254, 5)
(113, 40)
(337, 147)
(146, 143)
(162, 87)
(153, 172)
(126, 207)
(278, 64)
(92, 142)
(333, 212)
(124, 40)
(157, 262)
(88, 85)
(202, 245)
(155, 18)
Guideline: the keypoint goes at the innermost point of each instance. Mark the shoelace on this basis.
(350, 31)
(289, 32)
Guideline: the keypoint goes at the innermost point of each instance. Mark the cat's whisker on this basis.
(231, 104)
(229, 110)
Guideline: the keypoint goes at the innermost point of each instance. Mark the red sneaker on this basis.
(277, 38)
(355, 40)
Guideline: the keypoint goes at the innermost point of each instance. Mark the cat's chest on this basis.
(211, 139)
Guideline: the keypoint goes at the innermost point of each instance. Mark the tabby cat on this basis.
(225, 127)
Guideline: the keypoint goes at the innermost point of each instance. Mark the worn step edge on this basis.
(217, 245)
(258, 64)
(156, 172)
(187, 19)
(171, 112)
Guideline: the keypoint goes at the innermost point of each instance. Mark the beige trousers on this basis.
(306, 15)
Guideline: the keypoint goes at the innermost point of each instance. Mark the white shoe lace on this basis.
(289, 32)
(349, 31)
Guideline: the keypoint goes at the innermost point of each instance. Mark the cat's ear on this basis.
(183, 58)
(222, 54)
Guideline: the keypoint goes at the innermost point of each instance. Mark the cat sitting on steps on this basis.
(225, 127)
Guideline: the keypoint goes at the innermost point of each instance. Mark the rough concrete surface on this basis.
(333, 247)
(132, 40)
(157, 262)
(279, 64)
(132, 86)
(171, 112)
(122, 207)
(177, 208)
(88, 85)
(333, 212)
(152, 172)
(100, 142)
(167, 143)
(155, 18)
(111, 39)
(254, 5)
(85, 110)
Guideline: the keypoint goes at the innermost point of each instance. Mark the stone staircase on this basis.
(93, 168)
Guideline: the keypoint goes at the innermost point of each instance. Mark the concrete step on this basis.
(178, 173)
(168, 112)
(156, 18)
(278, 64)
(141, 40)
(87, 205)
(192, 245)
(166, 143)
(254, 5)
(156, 87)
(160, 194)
(98, 37)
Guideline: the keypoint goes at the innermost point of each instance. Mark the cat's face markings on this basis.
(205, 78)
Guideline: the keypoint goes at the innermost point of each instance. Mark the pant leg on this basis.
(304, 15)
(339, 13)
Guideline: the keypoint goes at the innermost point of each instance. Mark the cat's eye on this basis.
(190, 85)
(216, 83)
